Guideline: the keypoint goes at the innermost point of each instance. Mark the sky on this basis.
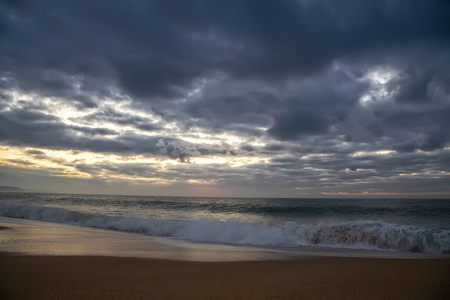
(242, 98)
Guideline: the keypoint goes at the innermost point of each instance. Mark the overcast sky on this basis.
(305, 98)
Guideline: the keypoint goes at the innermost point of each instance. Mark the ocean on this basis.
(406, 225)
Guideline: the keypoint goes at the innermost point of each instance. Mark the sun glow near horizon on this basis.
(89, 165)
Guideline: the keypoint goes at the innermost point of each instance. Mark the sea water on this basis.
(409, 225)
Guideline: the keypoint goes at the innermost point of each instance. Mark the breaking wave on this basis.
(362, 234)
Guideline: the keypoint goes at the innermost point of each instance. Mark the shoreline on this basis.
(32, 237)
(40, 260)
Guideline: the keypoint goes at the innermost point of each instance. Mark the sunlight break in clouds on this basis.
(145, 99)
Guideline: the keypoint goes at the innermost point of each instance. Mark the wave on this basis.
(362, 234)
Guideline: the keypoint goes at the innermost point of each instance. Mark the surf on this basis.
(358, 234)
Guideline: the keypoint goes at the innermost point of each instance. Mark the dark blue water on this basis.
(421, 225)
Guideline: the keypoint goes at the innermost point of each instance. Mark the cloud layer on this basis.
(289, 98)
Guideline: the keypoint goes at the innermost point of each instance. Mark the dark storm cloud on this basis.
(367, 172)
(28, 128)
(288, 74)
(120, 118)
(435, 140)
(20, 162)
(35, 152)
(231, 107)
(158, 48)
(422, 81)
(138, 170)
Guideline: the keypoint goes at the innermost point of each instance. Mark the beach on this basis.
(80, 277)
(42, 260)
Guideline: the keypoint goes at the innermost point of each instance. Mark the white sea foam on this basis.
(367, 234)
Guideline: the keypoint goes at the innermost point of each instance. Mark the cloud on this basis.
(290, 126)
(28, 128)
(155, 51)
(318, 91)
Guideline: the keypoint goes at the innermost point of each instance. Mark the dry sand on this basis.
(84, 276)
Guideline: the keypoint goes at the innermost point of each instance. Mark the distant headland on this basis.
(4, 188)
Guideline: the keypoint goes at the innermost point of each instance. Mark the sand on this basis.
(91, 271)
(84, 277)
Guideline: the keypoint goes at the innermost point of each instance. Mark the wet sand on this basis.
(86, 265)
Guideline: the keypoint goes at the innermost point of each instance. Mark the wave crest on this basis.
(368, 234)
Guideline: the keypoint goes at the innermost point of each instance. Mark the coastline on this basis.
(32, 237)
(66, 262)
